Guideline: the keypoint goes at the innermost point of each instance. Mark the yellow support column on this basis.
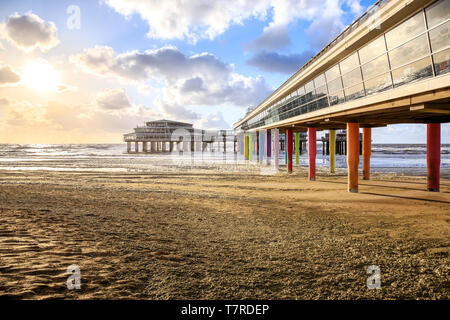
(246, 147)
(332, 150)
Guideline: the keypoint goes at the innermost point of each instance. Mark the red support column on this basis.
(312, 150)
(289, 150)
(352, 156)
(367, 150)
(433, 156)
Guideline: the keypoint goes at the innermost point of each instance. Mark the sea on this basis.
(113, 158)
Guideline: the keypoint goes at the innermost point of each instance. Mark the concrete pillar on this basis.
(239, 143)
(433, 156)
(262, 148)
(312, 150)
(276, 148)
(144, 146)
(366, 151)
(285, 149)
(297, 148)
(332, 150)
(289, 135)
(255, 145)
(250, 147)
(136, 147)
(246, 147)
(352, 156)
(128, 146)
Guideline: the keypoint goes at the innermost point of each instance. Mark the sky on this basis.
(89, 71)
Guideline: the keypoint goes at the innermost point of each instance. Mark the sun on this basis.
(41, 76)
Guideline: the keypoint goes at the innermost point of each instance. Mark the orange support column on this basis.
(433, 156)
(352, 156)
(367, 150)
(289, 150)
(312, 150)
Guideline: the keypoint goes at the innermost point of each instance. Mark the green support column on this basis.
(297, 148)
(332, 150)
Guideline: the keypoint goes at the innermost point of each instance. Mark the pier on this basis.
(163, 136)
(371, 75)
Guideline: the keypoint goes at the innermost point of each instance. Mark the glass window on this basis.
(322, 103)
(354, 92)
(310, 96)
(372, 50)
(405, 31)
(378, 84)
(319, 81)
(410, 51)
(440, 37)
(374, 67)
(312, 106)
(335, 85)
(332, 73)
(437, 12)
(321, 91)
(349, 63)
(302, 99)
(309, 87)
(442, 62)
(412, 72)
(336, 98)
(352, 77)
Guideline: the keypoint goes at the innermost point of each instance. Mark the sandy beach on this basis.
(203, 234)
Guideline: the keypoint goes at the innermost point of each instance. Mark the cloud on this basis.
(206, 19)
(21, 113)
(113, 99)
(281, 63)
(175, 111)
(275, 37)
(8, 76)
(66, 88)
(325, 18)
(213, 121)
(200, 79)
(28, 32)
(188, 19)
(4, 102)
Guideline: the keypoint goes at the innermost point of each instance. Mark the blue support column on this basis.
(261, 137)
(285, 149)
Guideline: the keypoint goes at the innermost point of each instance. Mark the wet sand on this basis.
(202, 234)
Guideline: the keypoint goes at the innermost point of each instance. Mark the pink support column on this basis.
(312, 147)
(433, 156)
(289, 135)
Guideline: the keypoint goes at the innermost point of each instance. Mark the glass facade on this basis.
(416, 49)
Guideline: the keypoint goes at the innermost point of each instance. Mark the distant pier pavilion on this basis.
(167, 136)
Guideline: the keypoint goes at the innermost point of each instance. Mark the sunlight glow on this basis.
(41, 76)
